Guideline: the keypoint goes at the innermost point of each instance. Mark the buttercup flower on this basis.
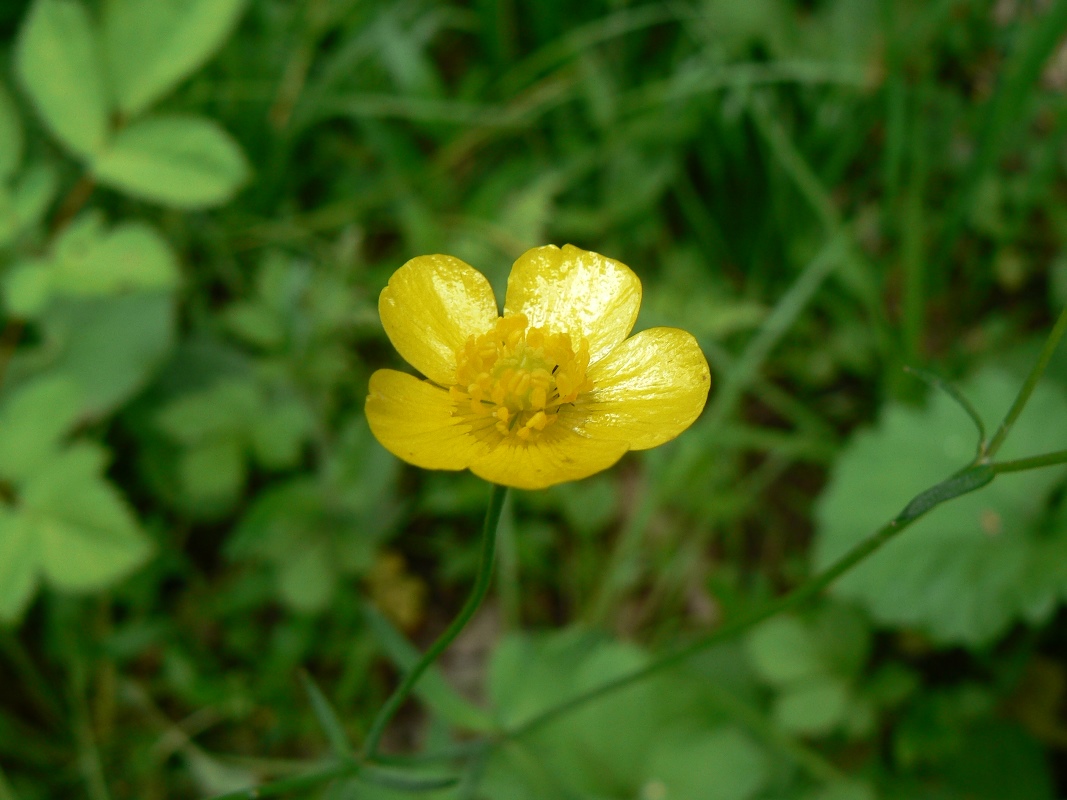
(551, 391)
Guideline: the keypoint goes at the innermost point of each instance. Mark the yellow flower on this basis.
(552, 391)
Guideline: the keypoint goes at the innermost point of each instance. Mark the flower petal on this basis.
(430, 307)
(573, 290)
(557, 455)
(413, 420)
(647, 391)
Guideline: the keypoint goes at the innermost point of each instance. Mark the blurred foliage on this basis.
(199, 203)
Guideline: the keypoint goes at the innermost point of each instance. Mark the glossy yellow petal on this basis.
(575, 291)
(430, 307)
(646, 391)
(413, 421)
(556, 456)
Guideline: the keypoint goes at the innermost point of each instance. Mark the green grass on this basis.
(822, 192)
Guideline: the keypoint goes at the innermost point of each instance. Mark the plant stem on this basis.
(1028, 387)
(478, 591)
(801, 594)
(296, 784)
(1033, 462)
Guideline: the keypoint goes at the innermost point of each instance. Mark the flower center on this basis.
(519, 375)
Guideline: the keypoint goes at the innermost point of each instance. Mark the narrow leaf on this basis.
(433, 689)
(184, 162)
(935, 381)
(969, 480)
(58, 62)
(328, 719)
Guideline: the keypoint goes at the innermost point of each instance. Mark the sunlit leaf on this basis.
(33, 420)
(109, 347)
(975, 564)
(185, 162)
(58, 61)
(88, 536)
(152, 45)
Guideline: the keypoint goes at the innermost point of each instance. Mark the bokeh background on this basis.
(200, 201)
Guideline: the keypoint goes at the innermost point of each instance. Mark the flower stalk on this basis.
(474, 600)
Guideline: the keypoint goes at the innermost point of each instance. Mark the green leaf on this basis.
(307, 580)
(973, 566)
(58, 62)
(222, 410)
(783, 651)
(813, 707)
(327, 717)
(212, 473)
(184, 162)
(33, 193)
(432, 689)
(28, 288)
(87, 535)
(131, 257)
(33, 421)
(109, 347)
(11, 137)
(721, 764)
(23, 205)
(256, 323)
(997, 760)
(279, 432)
(152, 45)
(843, 790)
(18, 566)
(89, 262)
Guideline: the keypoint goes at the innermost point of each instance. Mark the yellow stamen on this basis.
(519, 376)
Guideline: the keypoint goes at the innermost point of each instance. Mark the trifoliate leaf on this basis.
(58, 61)
(109, 347)
(183, 162)
(151, 45)
(975, 564)
(131, 257)
(33, 420)
(87, 535)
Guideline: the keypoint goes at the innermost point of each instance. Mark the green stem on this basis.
(296, 784)
(1028, 387)
(623, 563)
(481, 586)
(798, 596)
(1033, 462)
